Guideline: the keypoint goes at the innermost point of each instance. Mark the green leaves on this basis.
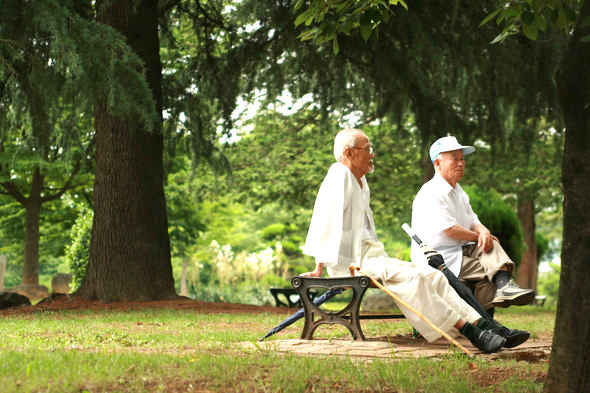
(530, 31)
(530, 17)
(499, 217)
(490, 16)
(78, 251)
(329, 19)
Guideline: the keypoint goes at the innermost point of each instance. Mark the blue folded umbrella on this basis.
(330, 293)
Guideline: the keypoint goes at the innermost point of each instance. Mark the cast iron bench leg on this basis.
(349, 316)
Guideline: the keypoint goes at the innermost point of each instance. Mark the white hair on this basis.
(344, 139)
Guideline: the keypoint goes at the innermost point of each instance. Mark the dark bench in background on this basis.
(290, 297)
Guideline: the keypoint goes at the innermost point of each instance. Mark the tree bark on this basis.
(569, 368)
(130, 248)
(527, 270)
(32, 207)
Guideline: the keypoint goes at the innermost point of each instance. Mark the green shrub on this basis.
(246, 293)
(273, 231)
(78, 251)
(542, 246)
(271, 280)
(303, 267)
(290, 249)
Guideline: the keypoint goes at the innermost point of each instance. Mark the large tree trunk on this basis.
(569, 368)
(32, 207)
(527, 270)
(130, 248)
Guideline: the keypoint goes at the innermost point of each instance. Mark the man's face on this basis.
(361, 158)
(451, 166)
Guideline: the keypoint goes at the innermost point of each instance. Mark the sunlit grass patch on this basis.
(168, 350)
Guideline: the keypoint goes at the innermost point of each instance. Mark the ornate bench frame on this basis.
(349, 316)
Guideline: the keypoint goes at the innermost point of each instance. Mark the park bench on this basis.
(349, 316)
(288, 297)
(540, 300)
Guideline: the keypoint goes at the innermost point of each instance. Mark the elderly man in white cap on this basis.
(443, 218)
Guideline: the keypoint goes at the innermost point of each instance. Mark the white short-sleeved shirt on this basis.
(439, 206)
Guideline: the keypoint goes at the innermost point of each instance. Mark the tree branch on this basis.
(69, 183)
(12, 190)
(9, 187)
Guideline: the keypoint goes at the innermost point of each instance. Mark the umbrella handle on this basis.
(423, 246)
(403, 303)
(411, 233)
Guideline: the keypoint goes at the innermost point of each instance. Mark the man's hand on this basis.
(485, 238)
(319, 270)
(479, 233)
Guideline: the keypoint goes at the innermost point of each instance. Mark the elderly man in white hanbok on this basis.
(342, 232)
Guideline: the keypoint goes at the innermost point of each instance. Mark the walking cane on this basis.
(403, 303)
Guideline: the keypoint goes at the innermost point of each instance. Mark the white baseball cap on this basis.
(448, 143)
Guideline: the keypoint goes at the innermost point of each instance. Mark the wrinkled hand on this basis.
(310, 274)
(486, 240)
(319, 270)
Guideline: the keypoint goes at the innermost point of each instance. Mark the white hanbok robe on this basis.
(342, 232)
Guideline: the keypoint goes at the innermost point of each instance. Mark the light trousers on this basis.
(424, 288)
(478, 269)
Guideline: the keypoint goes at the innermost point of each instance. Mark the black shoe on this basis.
(488, 341)
(514, 337)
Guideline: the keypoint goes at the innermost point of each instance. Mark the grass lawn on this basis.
(167, 350)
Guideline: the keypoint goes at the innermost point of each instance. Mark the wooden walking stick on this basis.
(403, 303)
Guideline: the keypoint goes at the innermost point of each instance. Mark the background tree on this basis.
(90, 61)
(567, 365)
(569, 360)
(130, 248)
(56, 219)
(45, 139)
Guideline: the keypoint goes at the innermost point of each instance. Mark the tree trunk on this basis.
(32, 207)
(130, 249)
(527, 271)
(569, 368)
(427, 167)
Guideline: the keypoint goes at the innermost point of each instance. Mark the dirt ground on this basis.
(63, 302)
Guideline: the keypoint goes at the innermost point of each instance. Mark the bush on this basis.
(246, 293)
(542, 247)
(290, 249)
(273, 231)
(298, 269)
(78, 251)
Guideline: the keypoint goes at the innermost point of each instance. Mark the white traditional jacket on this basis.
(341, 219)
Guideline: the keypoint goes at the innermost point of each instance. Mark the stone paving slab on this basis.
(398, 347)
